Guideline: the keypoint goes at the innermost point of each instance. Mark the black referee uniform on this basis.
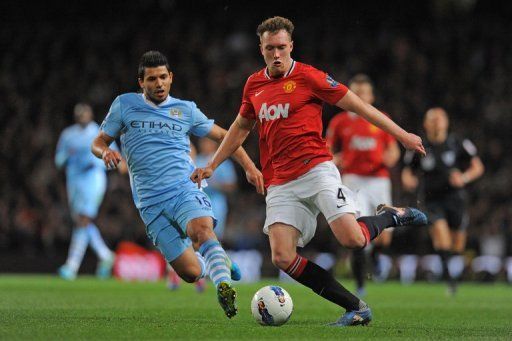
(438, 198)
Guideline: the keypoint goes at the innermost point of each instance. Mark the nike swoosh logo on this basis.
(258, 93)
(340, 206)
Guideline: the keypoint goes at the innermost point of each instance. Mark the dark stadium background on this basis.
(454, 54)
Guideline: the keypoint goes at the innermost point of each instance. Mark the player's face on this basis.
(156, 83)
(363, 90)
(83, 116)
(436, 121)
(276, 49)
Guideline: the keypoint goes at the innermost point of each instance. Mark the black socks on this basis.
(323, 283)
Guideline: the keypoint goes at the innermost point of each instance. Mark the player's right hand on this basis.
(201, 173)
(255, 178)
(413, 142)
(111, 158)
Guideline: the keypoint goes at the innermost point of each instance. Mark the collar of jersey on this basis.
(166, 101)
(290, 70)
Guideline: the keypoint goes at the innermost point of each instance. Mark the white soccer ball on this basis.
(271, 306)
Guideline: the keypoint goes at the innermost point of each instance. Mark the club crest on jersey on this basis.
(273, 112)
(175, 113)
(331, 81)
(289, 86)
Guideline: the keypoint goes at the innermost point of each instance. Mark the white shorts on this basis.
(370, 191)
(298, 202)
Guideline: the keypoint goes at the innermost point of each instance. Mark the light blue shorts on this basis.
(166, 222)
(86, 192)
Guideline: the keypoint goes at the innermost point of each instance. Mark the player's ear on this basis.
(261, 49)
(141, 83)
(170, 76)
(291, 46)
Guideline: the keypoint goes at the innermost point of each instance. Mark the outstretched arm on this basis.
(230, 143)
(100, 148)
(353, 103)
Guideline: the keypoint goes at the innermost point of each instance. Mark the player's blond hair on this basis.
(274, 25)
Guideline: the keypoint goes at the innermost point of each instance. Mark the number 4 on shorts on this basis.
(340, 195)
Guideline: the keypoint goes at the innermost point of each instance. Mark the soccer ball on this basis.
(271, 306)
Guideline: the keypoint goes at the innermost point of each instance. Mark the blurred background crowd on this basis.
(453, 54)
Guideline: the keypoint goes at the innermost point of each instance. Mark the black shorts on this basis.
(452, 208)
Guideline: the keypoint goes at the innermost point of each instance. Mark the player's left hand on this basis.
(201, 173)
(255, 178)
(413, 142)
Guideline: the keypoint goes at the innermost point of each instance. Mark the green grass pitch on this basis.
(46, 307)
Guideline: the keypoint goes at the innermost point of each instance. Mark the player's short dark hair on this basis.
(360, 78)
(152, 59)
(274, 25)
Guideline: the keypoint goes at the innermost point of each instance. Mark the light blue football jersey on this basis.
(155, 140)
(74, 150)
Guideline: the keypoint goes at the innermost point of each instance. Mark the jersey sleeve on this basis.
(325, 87)
(469, 148)
(247, 109)
(113, 123)
(201, 125)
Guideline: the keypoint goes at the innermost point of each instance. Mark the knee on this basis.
(200, 232)
(188, 278)
(354, 241)
(189, 275)
(282, 260)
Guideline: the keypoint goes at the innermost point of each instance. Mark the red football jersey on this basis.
(361, 143)
(289, 115)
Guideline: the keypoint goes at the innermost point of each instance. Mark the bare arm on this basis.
(476, 169)
(230, 143)
(100, 148)
(353, 103)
